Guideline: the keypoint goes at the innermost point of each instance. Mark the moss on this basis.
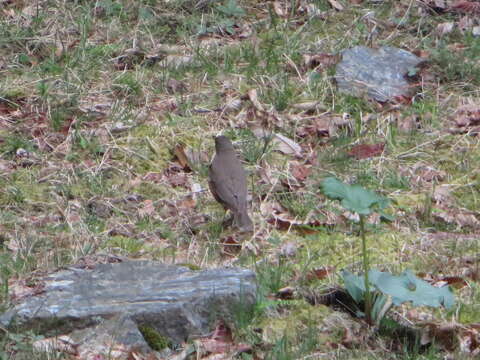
(156, 341)
(300, 318)
(192, 267)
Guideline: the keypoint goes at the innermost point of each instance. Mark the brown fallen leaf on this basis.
(175, 86)
(279, 142)
(466, 118)
(408, 124)
(179, 152)
(147, 209)
(221, 342)
(336, 5)
(309, 106)
(280, 9)
(457, 282)
(365, 151)
(459, 217)
(429, 174)
(445, 28)
(465, 23)
(327, 125)
(253, 97)
(300, 171)
(286, 145)
(286, 293)
(288, 249)
(320, 273)
(279, 217)
(230, 245)
(178, 180)
(154, 177)
(466, 7)
(320, 62)
(62, 343)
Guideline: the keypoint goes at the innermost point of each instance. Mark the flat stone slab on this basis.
(177, 302)
(378, 73)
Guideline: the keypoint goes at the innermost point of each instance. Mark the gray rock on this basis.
(379, 73)
(175, 301)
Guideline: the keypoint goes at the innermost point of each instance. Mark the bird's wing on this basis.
(228, 194)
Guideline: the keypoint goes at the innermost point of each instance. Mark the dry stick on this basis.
(401, 155)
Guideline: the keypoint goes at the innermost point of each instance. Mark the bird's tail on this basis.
(243, 221)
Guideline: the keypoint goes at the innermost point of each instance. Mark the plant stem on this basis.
(368, 297)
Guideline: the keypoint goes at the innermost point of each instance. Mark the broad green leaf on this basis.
(407, 287)
(354, 198)
(231, 8)
(381, 304)
(402, 288)
(354, 284)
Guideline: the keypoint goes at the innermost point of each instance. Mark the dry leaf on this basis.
(179, 152)
(320, 273)
(61, 343)
(289, 249)
(336, 5)
(147, 209)
(279, 9)
(154, 177)
(300, 171)
(320, 62)
(466, 119)
(408, 124)
(309, 106)
(286, 293)
(466, 7)
(175, 86)
(445, 28)
(286, 146)
(232, 105)
(365, 151)
(440, 4)
(465, 23)
(253, 97)
(230, 245)
(325, 126)
(178, 180)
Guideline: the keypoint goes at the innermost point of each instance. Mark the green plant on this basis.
(231, 8)
(156, 341)
(299, 204)
(255, 149)
(387, 289)
(361, 201)
(392, 290)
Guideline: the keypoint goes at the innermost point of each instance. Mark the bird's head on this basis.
(223, 143)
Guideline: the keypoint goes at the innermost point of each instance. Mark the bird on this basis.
(228, 183)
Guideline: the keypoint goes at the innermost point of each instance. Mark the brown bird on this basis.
(228, 183)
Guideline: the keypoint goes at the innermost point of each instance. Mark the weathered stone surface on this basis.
(378, 73)
(175, 301)
(115, 338)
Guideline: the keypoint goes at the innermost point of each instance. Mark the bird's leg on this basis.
(227, 220)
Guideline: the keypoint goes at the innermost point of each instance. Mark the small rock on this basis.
(379, 73)
(173, 300)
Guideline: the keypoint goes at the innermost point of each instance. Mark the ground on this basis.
(107, 115)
